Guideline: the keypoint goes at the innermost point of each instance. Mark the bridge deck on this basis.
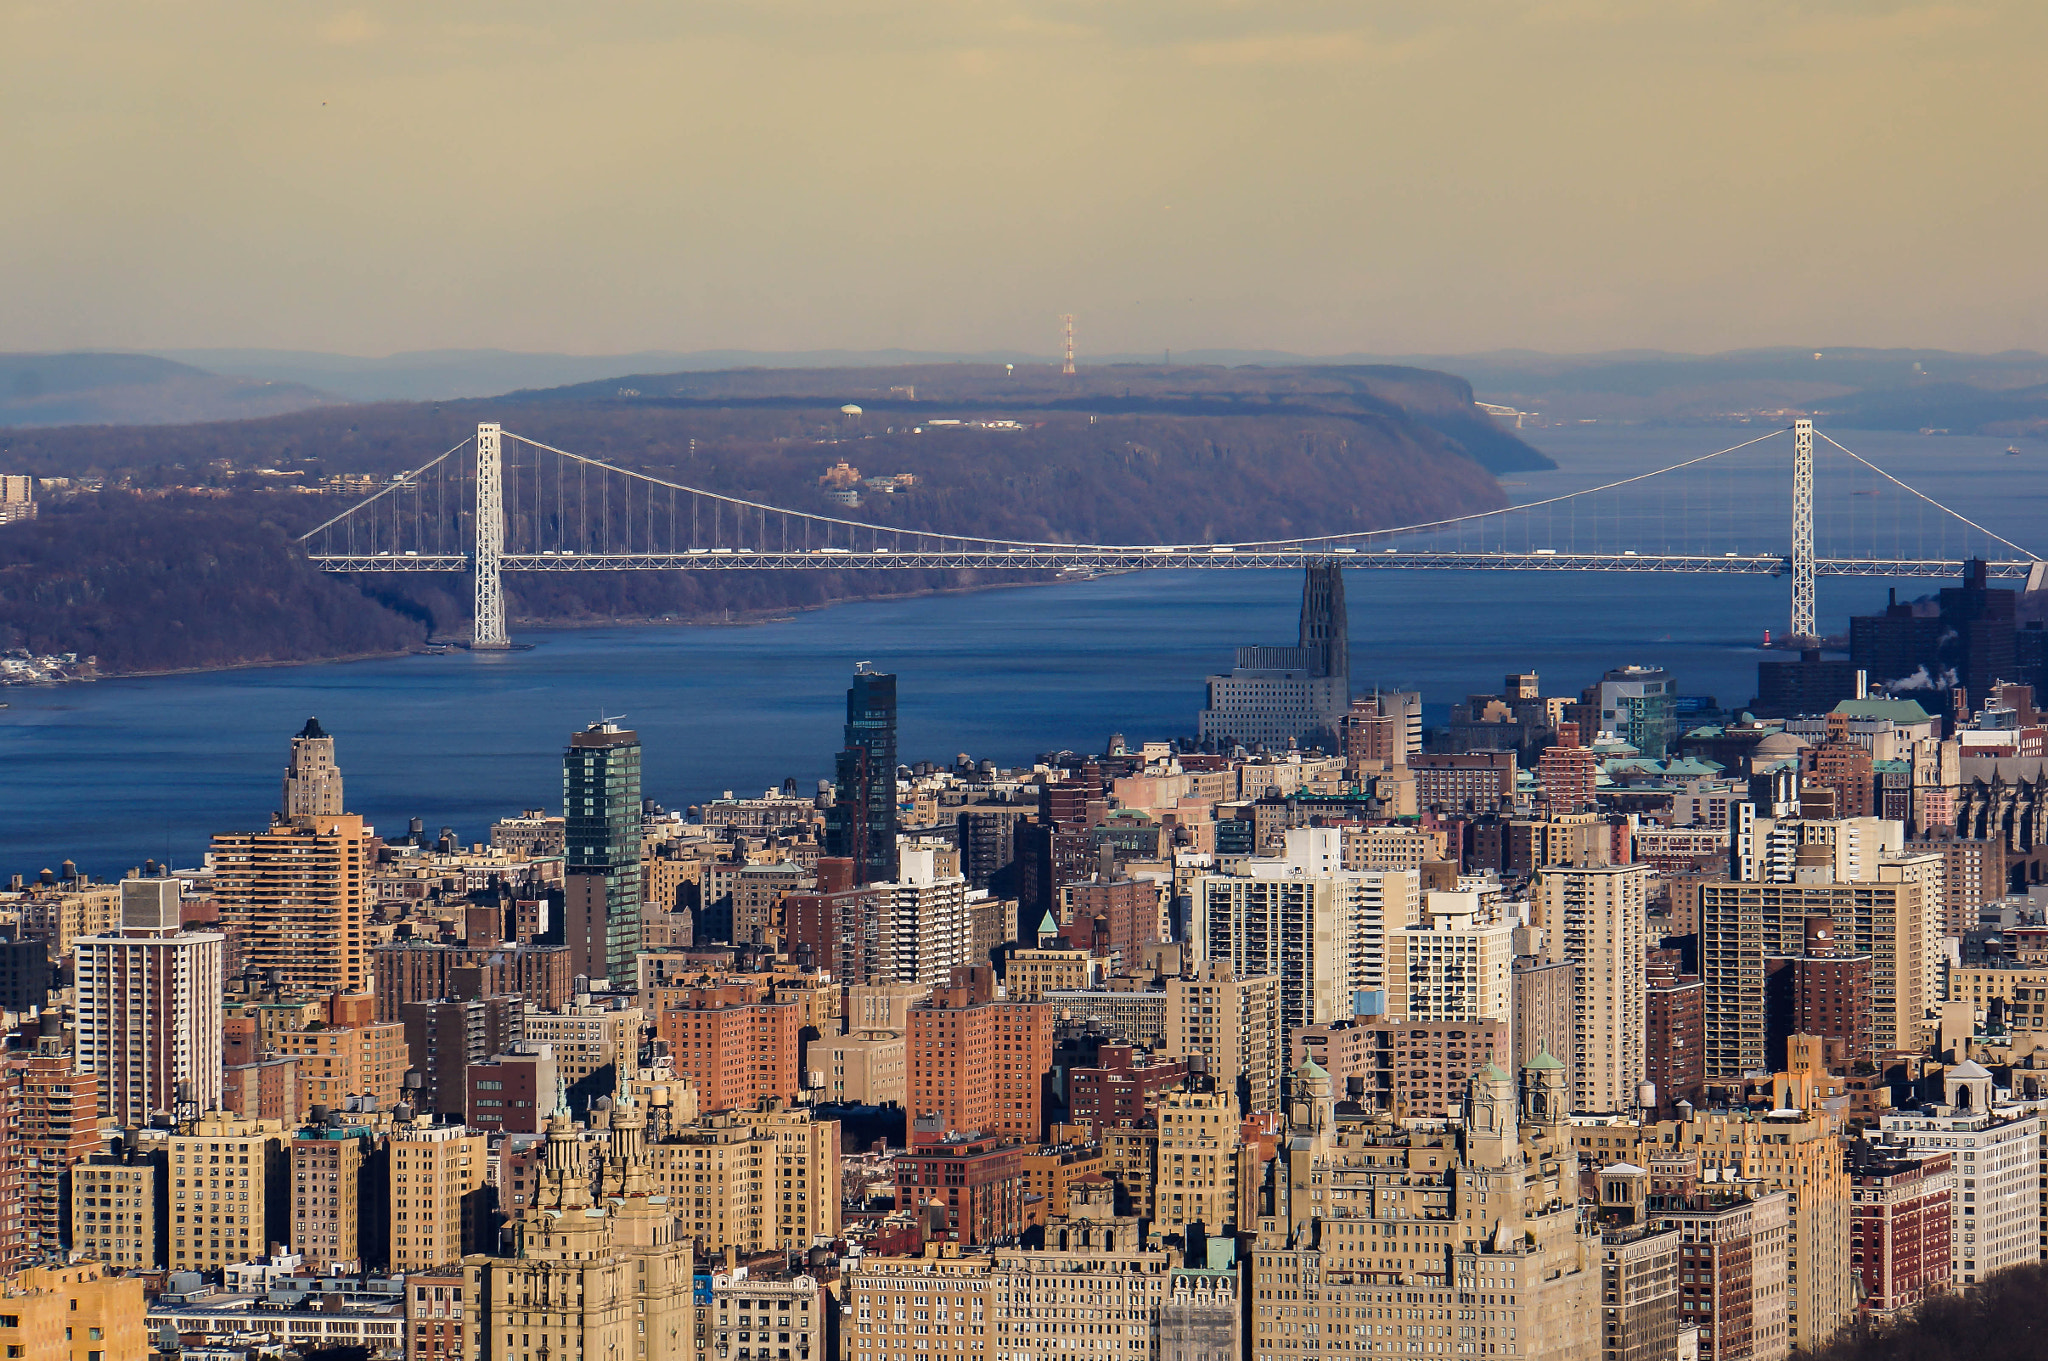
(1128, 559)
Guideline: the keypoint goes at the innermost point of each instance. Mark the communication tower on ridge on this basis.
(1067, 319)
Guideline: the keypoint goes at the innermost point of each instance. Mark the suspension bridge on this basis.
(523, 506)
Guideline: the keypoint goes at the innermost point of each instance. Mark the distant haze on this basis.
(1413, 176)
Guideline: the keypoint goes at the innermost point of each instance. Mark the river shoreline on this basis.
(438, 644)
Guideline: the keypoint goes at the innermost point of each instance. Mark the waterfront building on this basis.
(312, 783)
(149, 1009)
(861, 824)
(1278, 696)
(601, 836)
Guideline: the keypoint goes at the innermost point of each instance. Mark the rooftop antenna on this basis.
(1067, 319)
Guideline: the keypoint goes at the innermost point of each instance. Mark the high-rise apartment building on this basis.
(860, 826)
(600, 1262)
(439, 1205)
(116, 1206)
(1995, 1219)
(1972, 874)
(1794, 1149)
(312, 783)
(924, 928)
(1638, 704)
(340, 1170)
(764, 1179)
(1543, 1003)
(589, 1042)
(1675, 1047)
(1321, 929)
(229, 1191)
(60, 1125)
(149, 1009)
(1597, 918)
(1566, 778)
(738, 1049)
(1893, 916)
(977, 1060)
(297, 898)
(1820, 992)
(1231, 1023)
(1371, 1220)
(1455, 965)
(601, 869)
(1196, 1181)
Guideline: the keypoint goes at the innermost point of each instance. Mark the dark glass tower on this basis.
(601, 827)
(862, 825)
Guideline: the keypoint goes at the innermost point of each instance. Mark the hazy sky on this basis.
(1416, 175)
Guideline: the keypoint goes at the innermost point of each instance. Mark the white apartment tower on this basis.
(150, 1008)
(1457, 965)
(1996, 1222)
(1321, 929)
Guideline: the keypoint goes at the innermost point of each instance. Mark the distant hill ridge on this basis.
(134, 389)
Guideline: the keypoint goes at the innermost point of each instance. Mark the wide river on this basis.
(112, 773)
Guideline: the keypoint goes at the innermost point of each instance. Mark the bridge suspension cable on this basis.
(524, 505)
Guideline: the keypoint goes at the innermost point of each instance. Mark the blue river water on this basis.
(112, 773)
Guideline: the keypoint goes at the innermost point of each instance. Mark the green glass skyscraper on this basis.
(601, 826)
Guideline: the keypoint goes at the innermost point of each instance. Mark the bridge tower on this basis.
(490, 541)
(1803, 626)
(1067, 319)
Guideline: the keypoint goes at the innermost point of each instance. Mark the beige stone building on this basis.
(1035, 971)
(1430, 1239)
(113, 1210)
(1597, 917)
(1454, 965)
(586, 1038)
(866, 1068)
(598, 1275)
(227, 1198)
(1233, 1023)
(437, 1200)
(760, 1180)
(1195, 1177)
(1894, 917)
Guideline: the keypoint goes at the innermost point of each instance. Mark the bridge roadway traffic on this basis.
(1128, 558)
